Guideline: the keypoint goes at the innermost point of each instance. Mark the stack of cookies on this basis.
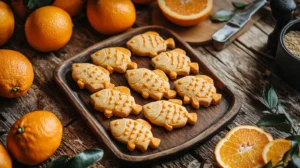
(117, 101)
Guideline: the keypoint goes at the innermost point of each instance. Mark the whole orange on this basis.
(34, 137)
(72, 7)
(16, 74)
(7, 23)
(5, 160)
(111, 16)
(48, 28)
(143, 2)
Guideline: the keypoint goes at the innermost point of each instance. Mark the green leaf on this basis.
(239, 5)
(295, 157)
(271, 120)
(85, 158)
(284, 127)
(268, 165)
(59, 162)
(270, 97)
(222, 15)
(287, 156)
(294, 138)
(287, 115)
(34, 4)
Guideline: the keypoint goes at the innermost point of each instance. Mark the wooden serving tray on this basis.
(209, 119)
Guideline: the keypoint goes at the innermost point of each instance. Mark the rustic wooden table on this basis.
(242, 66)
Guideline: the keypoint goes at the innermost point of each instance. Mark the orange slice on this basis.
(275, 150)
(242, 147)
(186, 12)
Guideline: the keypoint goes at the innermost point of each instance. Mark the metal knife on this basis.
(223, 37)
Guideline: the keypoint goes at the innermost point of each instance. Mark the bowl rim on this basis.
(283, 33)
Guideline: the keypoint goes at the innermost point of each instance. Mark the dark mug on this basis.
(287, 64)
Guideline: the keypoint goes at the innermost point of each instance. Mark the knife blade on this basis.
(223, 37)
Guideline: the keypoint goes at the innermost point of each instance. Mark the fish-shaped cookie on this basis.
(175, 62)
(197, 90)
(169, 114)
(149, 44)
(150, 83)
(91, 77)
(134, 133)
(114, 59)
(115, 102)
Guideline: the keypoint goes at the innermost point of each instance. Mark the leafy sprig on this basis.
(278, 118)
(224, 15)
(82, 160)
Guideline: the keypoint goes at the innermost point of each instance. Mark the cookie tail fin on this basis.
(168, 127)
(154, 143)
(80, 84)
(192, 118)
(132, 65)
(173, 75)
(195, 103)
(136, 109)
(186, 100)
(216, 98)
(130, 146)
(170, 43)
(170, 94)
(176, 101)
(108, 85)
(194, 67)
(108, 113)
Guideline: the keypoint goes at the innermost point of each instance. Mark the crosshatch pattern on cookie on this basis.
(91, 77)
(114, 59)
(134, 133)
(149, 44)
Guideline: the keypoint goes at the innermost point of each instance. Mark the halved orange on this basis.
(275, 150)
(186, 12)
(242, 147)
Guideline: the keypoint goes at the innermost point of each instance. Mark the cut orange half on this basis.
(186, 12)
(242, 147)
(275, 150)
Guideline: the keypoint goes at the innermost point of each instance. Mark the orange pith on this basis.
(193, 6)
(275, 150)
(242, 147)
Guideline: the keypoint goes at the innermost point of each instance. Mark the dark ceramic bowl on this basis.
(287, 64)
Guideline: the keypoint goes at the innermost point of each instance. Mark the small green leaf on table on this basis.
(277, 121)
(58, 162)
(294, 138)
(239, 5)
(270, 97)
(82, 160)
(222, 15)
(85, 158)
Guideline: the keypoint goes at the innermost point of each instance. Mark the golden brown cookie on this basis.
(169, 114)
(115, 102)
(154, 84)
(91, 77)
(197, 90)
(174, 63)
(149, 44)
(134, 133)
(114, 59)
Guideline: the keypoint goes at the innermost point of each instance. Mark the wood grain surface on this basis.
(209, 119)
(243, 66)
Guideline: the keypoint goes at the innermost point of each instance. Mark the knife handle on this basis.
(282, 11)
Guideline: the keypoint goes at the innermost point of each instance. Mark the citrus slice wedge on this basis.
(242, 147)
(275, 150)
(186, 12)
